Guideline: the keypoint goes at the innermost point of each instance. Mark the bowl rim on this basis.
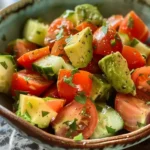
(55, 140)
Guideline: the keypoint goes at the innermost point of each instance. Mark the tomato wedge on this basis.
(133, 57)
(58, 49)
(83, 116)
(115, 21)
(106, 40)
(83, 25)
(134, 27)
(58, 28)
(28, 58)
(134, 111)
(30, 82)
(68, 84)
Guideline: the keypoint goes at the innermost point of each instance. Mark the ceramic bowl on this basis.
(12, 20)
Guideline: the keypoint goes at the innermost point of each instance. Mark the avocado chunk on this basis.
(79, 48)
(124, 38)
(70, 15)
(88, 12)
(140, 47)
(117, 73)
(109, 121)
(101, 89)
(34, 110)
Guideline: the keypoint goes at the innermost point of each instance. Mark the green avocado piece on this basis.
(70, 15)
(79, 48)
(88, 12)
(34, 110)
(100, 88)
(109, 122)
(117, 73)
(124, 38)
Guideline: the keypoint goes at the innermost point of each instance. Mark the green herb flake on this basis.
(27, 116)
(68, 80)
(148, 82)
(130, 22)
(71, 124)
(105, 29)
(113, 42)
(79, 137)
(74, 71)
(60, 34)
(30, 105)
(44, 113)
(81, 97)
(47, 98)
(110, 130)
(134, 42)
(3, 63)
(38, 32)
(139, 124)
(3, 38)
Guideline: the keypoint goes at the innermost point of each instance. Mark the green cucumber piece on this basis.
(109, 122)
(7, 68)
(50, 65)
(35, 31)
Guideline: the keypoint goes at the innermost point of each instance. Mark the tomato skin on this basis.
(28, 58)
(115, 21)
(30, 82)
(133, 111)
(56, 104)
(81, 80)
(137, 29)
(20, 47)
(54, 29)
(86, 124)
(52, 92)
(83, 25)
(93, 67)
(102, 42)
(133, 57)
(58, 49)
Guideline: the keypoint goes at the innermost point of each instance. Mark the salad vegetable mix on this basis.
(83, 75)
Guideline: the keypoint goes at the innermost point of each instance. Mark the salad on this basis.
(82, 75)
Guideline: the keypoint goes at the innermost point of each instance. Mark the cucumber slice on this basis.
(7, 68)
(49, 66)
(109, 121)
(35, 31)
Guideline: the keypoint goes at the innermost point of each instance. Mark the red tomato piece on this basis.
(134, 27)
(81, 81)
(84, 25)
(86, 119)
(134, 111)
(93, 67)
(52, 92)
(30, 82)
(58, 49)
(28, 58)
(20, 47)
(141, 78)
(58, 25)
(133, 57)
(115, 21)
(106, 43)
(56, 104)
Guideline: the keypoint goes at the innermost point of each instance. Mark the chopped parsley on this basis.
(30, 105)
(79, 137)
(110, 130)
(68, 80)
(139, 124)
(3, 63)
(60, 34)
(113, 42)
(44, 113)
(130, 22)
(81, 97)
(74, 71)
(134, 42)
(148, 82)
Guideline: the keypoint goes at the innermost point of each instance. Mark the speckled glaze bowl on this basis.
(12, 20)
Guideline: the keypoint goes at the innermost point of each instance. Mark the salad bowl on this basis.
(12, 20)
